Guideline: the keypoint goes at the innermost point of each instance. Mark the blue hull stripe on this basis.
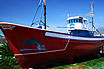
(67, 36)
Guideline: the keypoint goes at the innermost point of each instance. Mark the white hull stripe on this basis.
(45, 51)
(67, 36)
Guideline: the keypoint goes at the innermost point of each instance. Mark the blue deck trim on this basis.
(68, 36)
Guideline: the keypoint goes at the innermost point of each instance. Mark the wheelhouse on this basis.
(78, 26)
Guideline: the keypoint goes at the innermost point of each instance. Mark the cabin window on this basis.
(72, 21)
(76, 20)
(80, 20)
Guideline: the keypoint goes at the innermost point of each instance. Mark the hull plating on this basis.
(34, 46)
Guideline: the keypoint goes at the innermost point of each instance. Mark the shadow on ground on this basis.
(65, 62)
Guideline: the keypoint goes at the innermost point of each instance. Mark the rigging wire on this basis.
(41, 11)
(36, 13)
(40, 21)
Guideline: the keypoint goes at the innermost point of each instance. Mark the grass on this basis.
(92, 64)
(17, 67)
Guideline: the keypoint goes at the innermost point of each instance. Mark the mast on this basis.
(93, 27)
(44, 14)
(92, 6)
(68, 17)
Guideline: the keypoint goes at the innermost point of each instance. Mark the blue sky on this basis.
(22, 11)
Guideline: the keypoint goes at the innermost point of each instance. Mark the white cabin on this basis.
(77, 23)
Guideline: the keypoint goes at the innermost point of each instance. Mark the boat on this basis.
(35, 46)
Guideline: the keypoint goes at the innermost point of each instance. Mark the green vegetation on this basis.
(7, 59)
(93, 64)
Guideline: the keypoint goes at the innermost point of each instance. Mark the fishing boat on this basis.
(34, 46)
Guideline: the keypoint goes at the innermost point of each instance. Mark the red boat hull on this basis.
(35, 46)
